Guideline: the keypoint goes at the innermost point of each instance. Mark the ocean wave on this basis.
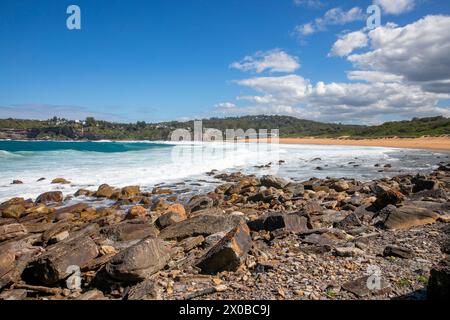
(7, 154)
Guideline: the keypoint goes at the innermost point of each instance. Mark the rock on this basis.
(212, 239)
(439, 282)
(203, 225)
(104, 191)
(136, 212)
(17, 182)
(386, 195)
(340, 186)
(6, 262)
(40, 179)
(84, 192)
(76, 208)
(175, 213)
(348, 252)
(362, 287)
(146, 290)
(129, 230)
(13, 208)
(400, 252)
(50, 197)
(274, 181)
(421, 183)
(40, 209)
(160, 205)
(14, 294)
(228, 253)
(130, 191)
(161, 191)
(60, 181)
(190, 243)
(199, 203)
(10, 231)
(294, 222)
(139, 261)
(94, 294)
(297, 189)
(59, 237)
(53, 265)
(349, 222)
(409, 216)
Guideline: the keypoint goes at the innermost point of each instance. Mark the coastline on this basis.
(425, 143)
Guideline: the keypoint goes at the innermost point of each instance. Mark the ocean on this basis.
(184, 165)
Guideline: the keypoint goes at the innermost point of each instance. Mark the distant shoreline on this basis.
(425, 143)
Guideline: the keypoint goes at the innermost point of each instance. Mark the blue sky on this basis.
(163, 60)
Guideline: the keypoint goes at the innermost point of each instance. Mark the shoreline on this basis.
(425, 143)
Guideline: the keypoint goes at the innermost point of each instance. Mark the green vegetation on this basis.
(92, 129)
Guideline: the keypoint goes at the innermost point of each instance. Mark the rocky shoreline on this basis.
(250, 238)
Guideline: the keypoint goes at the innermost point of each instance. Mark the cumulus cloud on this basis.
(349, 42)
(275, 60)
(335, 16)
(418, 52)
(225, 105)
(395, 6)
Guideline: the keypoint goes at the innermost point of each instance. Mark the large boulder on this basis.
(139, 261)
(409, 216)
(14, 208)
(130, 191)
(228, 253)
(295, 222)
(50, 197)
(53, 265)
(274, 181)
(203, 225)
(439, 282)
(175, 213)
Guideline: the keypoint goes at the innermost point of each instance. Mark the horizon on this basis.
(184, 60)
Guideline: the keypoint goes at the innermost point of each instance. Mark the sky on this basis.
(160, 60)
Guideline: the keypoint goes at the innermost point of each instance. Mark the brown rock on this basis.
(13, 208)
(130, 191)
(50, 197)
(53, 265)
(60, 181)
(10, 231)
(199, 203)
(130, 230)
(203, 225)
(409, 216)
(400, 252)
(386, 195)
(174, 214)
(146, 290)
(228, 253)
(136, 212)
(139, 261)
(104, 191)
(17, 182)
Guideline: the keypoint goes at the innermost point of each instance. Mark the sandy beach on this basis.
(428, 143)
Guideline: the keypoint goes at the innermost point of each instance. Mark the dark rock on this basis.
(439, 282)
(53, 265)
(297, 189)
(294, 222)
(199, 203)
(140, 261)
(421, 183)
(203, 225)
(17, 182)
(50, 197)
(349, 222)
(228, 253)
(274, 181)
(400, 252)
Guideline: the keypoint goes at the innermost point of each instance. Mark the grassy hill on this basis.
(288, 127)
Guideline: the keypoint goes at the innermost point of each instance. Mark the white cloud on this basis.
(373, 76)
(418, 52)
(314, 4)
(274, 60)
(225, 105)
(349, 42)
(395, 6)
(335, 16)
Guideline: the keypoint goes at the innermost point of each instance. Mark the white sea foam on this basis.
(184, 160)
